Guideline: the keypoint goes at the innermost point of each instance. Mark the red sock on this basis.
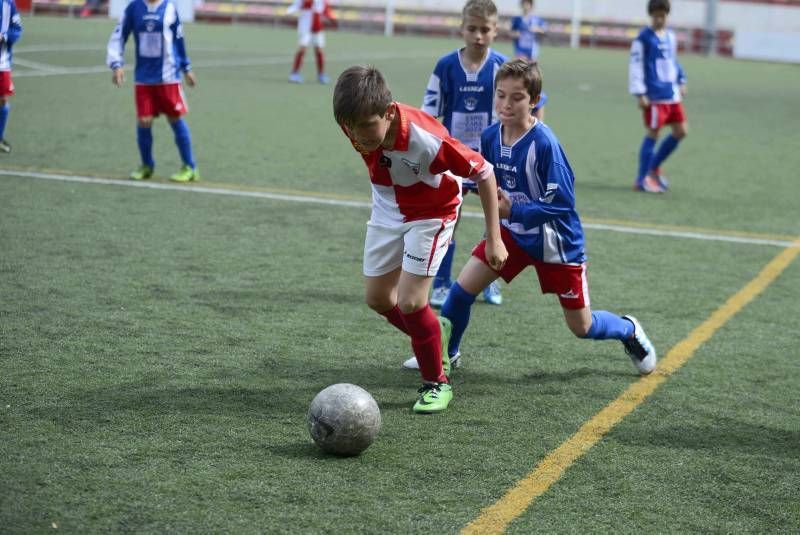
(298, 59)
(320, 60)
(395, 317)
(426, 340)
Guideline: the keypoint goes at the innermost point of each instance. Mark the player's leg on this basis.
(304, 40)
(5, 146)
(144, 140)
(6, 90)
(319, 44)
(679, 130)
(183, 140)
(653, 120)
(570, 284)
(473, 278)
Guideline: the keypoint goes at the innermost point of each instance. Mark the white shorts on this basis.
(315, 39)
(417, 246)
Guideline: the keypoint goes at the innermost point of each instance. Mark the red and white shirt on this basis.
(420, 177)
(309, 18)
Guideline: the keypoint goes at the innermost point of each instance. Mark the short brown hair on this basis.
(657, 5)
(482, 9)
(361, 91)
(522, 69)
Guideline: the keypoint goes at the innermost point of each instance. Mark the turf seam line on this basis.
(496, 517)
(339, 201)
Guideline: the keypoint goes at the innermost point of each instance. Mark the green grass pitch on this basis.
(159, 349)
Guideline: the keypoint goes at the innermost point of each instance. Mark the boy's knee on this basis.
(145, 122)
(581, 330)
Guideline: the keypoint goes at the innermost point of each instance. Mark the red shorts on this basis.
(566, 280)
(152, 100)
(657, 115)
(6, 84)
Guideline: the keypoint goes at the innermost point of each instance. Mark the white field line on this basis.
(42, 67)
(309, 199)
(206, 64)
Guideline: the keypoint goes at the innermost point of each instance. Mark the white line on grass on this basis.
(246, 62)
(194, 188)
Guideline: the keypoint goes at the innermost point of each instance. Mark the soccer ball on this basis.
(344, 419)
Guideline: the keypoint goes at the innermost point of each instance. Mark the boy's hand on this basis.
(644, 102)
(118, 77)
(503, 204)
(496, 254)
(684, 90)
(191, 81)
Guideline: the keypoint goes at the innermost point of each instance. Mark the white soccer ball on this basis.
(344, 419)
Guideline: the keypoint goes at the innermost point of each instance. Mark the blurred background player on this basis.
(160, 60)
(460, 93)
(10, 32)
(310, 24)
(526, 31)
(415, 169)
(657, 80)
(540, 226)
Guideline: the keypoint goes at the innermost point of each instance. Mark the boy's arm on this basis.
(14, 28)
(115, 52)
(433, 101)
(636, 83)
(293, 8)
(184, 63)
(496, 253)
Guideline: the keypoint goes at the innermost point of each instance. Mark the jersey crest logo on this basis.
(384, 161)
(151, 26)
(510, 180)
(470, 103)
(414, 166)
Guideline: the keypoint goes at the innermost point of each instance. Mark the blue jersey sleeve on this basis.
(435, 97)
(15, 25)
(115, 57)
(180, 46)
(559, 196)
(517, 25)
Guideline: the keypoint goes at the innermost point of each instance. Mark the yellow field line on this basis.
(496, 517)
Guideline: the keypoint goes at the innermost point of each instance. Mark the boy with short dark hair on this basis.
(658, 82)
(540, 226)
(416, 169)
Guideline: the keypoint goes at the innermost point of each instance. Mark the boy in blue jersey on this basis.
(10, 32)
(526, 31)
(160, 60)
(539, 224)
(460, 93)
(658, 82)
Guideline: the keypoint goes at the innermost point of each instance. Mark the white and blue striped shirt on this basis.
(158, 34)
(10, 32)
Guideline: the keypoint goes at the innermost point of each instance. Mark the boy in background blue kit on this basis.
(658, 82)
(460, 93)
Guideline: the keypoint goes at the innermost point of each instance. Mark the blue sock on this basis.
(445, 268)
(664, 150)
(606, 325)
(183, 139)
(457, 308)
(645, 158)
(4, 119)
(144, 137)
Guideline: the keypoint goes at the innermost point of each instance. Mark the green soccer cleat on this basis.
(446, 327)
(144, 172)
(186, 174)
(433, 397)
